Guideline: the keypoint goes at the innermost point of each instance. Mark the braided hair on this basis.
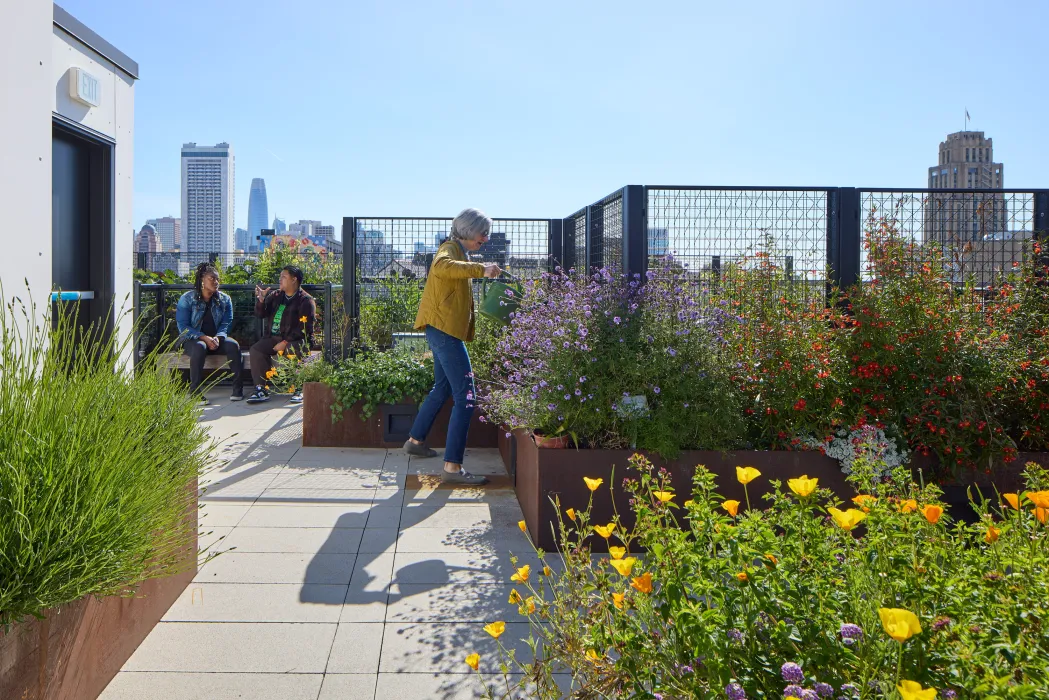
(205, 268)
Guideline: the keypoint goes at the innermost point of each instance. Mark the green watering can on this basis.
(501, 300)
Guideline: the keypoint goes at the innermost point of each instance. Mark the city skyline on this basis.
(680, 93)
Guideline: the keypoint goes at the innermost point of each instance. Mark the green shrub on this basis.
(718, 607)
(378, 378)
(388, 305)
(97, 469)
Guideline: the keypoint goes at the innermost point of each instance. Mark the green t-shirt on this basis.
(275, 329)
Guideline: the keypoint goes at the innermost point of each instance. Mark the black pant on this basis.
(261, 352)
(198, 351)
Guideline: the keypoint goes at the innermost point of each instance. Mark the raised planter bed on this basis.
(77, 649)
(387, 427)
(540, 474)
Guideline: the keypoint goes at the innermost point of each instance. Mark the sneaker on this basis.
(237, 395)
(203, 401)
(463, 477)
(418, 450)
(259, 396)
(296, 397)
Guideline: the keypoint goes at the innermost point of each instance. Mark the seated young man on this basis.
(289, 313)
(203, 317)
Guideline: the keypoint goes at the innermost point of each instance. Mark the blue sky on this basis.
(534, 109)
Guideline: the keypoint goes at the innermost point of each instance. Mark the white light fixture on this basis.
(84, 87)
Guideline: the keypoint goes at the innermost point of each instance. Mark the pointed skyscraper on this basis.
(258, 210)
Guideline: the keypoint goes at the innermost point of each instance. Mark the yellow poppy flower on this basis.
(848, 519)
(617, 600)
(291, 356)
(865, 501)
(571, 514)
(1039, 498)
(291, 388)
(772, 558)
(617, 552)
(523, 525)
(803, 485)
(547, 571)
(664, 496)
(643, 583)
(281, 353)
(1013, 500)
(529, 605)
(515, 597)
(605, 530)
(302, 319)
(991, 536)
(593, 484)
(1042, 514)
(473, 660)
(495, 629)
(742, 576)
(899, 624)
(912, 690)
(732, 507)
(592, 655)
(908, 506)
(623, 566)
(689, 502)
(521, 576)
(932, 513)
(745, 475)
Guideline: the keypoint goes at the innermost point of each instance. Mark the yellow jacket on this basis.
(448, 300)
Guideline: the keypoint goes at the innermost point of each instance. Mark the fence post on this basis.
(136, 318)
(844, 236)
(595, 238)
(568, 244)
(328, 315)
(635, 231)
(555, 246)
(349, 284)
(1040, 223)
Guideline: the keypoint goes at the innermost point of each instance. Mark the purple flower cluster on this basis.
(851, 633)
(792, 673)
(734, 691)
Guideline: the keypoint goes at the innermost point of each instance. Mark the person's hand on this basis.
(261, 292)
(209, 342)
(281, 346)
(491, 270)
(214, 343)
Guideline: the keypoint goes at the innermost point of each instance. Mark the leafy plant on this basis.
(388, 305)
(377, 378)
(98, 465)
(807, 598)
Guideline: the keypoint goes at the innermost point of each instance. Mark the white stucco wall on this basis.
(26, 96)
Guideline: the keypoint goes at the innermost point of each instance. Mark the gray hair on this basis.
(471, 224)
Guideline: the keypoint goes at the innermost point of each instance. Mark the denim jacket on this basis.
(190, 313)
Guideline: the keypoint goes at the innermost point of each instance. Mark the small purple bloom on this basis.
(734, 691)
(656, 390)
(849, 689)
(851, 633)
(735, 635)
(672, 352)
(807, 694)
(949, 694)
(792, 673)
(824, 690)
(792, 691)
(616, 320)
(551, 407)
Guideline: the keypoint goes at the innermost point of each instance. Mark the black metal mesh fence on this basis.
(574, 232)
(711, 232)
(977, 235)
(606, 232)
(394, 256)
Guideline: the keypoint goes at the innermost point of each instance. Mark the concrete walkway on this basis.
(341, 583)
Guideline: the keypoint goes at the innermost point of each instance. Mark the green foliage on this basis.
(97, 469)
(724, 599)
(378, 378)
(388, 305)
(316, 268)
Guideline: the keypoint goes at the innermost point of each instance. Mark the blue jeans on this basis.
(452, 376)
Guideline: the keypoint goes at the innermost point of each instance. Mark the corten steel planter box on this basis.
(78, 648)
(545, 473)
(540, 474)
(387, 427)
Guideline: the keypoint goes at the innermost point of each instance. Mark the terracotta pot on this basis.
(551, 443)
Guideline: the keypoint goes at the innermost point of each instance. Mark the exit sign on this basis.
(84, 87)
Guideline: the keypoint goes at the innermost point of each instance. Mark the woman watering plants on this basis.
(446, 312)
